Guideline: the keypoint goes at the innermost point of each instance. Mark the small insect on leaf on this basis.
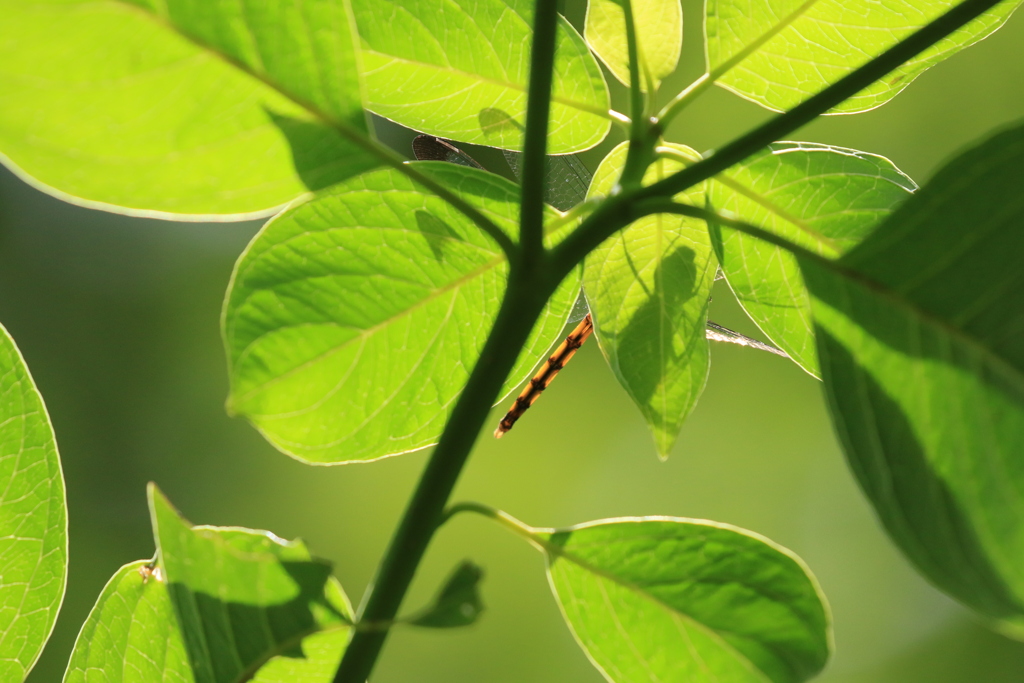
(148, 571)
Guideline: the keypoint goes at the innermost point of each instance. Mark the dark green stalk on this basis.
(523, 303)
(640, 153)
(636, 95)
(593, 230)
(533, 278)
(654, 206)
(535, 139)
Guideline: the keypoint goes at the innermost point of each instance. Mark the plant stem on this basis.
(503, 518)
(525, 299)
(695, 89)
(656, 206)
(535, 139)
(636, 95)
(595, 229)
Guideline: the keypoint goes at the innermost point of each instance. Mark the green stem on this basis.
(503, 518)
(636, 95)
(523, 303)
(654, 206)
(760, 200)
(695, 89)
(597, 228)
(535, 139)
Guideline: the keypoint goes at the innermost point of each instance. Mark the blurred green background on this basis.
(118, 320)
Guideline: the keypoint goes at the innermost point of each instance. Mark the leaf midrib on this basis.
(550, 549)
(1002, 366)
(364, 334)
(479, 78)
(351, 134)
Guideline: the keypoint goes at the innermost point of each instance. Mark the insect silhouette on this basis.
(566, 183)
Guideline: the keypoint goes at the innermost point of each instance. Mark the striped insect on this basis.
(566, 182)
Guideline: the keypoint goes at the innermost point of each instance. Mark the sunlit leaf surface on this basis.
(178, 107)
(33, 519)
(648, 288)
(825, 198)
(458, 69)
(353, 320)
(659, 28)
(222, 605)
(687, 601)
(131, 635)
(814, 43)
(919, 332)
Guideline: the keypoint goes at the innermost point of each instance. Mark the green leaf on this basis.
(353, 320)
(458, 603)
(175, 107)
(802, 46)
(134, 635)
(458, 69)
(131, 634)
(659, 29)
(826, 199)
(648, 288)
(246, 599)
(687, 601)
(919, 333)
(33, 518)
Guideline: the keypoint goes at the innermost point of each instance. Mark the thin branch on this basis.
(636, 95)
(809, 109)
(524, 300)
(695, 89)
(535, 139)
(760, 200)
(616, 213)
(658, 205)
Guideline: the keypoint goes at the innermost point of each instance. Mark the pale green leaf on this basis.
(458, 603)
(265, 593)
(33, 519)
(223, 107)
(687, 601)
(919, 333)
(459, 68)
(802, 46)
(826, 199)
(131, 635)
(648, 289)
(353, 320)
(659, 29)
(247, 601)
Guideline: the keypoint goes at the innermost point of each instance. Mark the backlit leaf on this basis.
(131, 635)
(250, 607)
(353, 320)
(33, 519)
(459, 68)
(919, 333)
(825, 198)
(648, 288)
(176, 107)
(247, 601)
(813, 43)
(687, 601)
(659, 28)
